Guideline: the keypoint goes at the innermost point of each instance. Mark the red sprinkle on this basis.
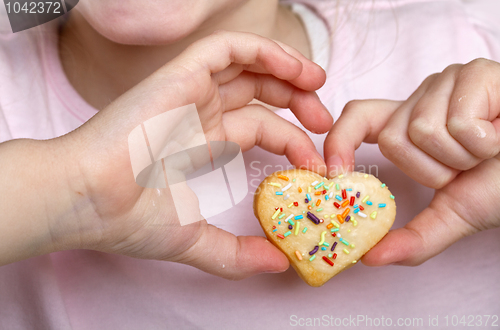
(276, 208)
(280, 236)
(296, 203)
(281, 209)
(344, 194)
(274, 227)
(334, 235)
(352, 200)
(321, 220)
(334, 256)
(324, 192)
(361, 208)
(328, 261)
(337, 205)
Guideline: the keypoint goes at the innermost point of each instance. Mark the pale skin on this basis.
(84, 195)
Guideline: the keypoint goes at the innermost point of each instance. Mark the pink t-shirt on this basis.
(379, 49)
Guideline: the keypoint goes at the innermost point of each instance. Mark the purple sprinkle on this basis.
(314, 250)
(347, 218)
(306, 200)
(290, 227)
(358, 194)
(334, 245)
(312, 217)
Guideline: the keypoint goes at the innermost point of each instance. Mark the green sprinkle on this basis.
(304, 230)
(344, 242)
(392, 196)
(330, 255)
(326, 244)
(312, 258)
(290, 221)
(383, 185)
(333, 230)
(319, 210)
(287, 233)
(319, 185)
(337, 186)
(282, 215)
(293, 180)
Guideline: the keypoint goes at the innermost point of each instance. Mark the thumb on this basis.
(360, 121)
(233, 257)
(428, 234)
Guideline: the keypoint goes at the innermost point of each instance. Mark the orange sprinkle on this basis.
(345, 203)
(317, 193)
(283, 177)
(346, 211)
(309, 207)
(318, 202)
(341, 220)
(299, 256)
(300, 190)
(329, 226)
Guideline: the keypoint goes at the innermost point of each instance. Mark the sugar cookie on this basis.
(323, 226)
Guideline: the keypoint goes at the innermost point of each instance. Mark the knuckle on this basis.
(391, 145)
(353, 106)
(421, 130)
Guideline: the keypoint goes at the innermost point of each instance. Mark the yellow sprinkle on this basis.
(290, 205)
(348, 230)
(275, 214)
(353, 246)
(366, 175)
(275, 184)
(335, 223)
(330, 185)
(322, 238)
(346, 251)
(341, 176)
(297, 226)
(354, 223)
(354, 261)
(365, 199)
(373, 215)
(308, 189)
(299, 256)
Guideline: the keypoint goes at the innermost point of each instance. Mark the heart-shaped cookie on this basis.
(323, 226)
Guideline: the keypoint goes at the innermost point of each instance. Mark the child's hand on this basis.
(221, 74)
(445, 136)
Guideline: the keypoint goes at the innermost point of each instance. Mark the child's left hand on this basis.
(445, 136)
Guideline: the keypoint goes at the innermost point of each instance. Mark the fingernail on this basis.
(335, 166)
(274, 271)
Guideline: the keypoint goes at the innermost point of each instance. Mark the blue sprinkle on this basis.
(279, 222)
(348, 189)
(381, 205)
(299, 217)
(369, 203)
(326, 197)
(323, 248)
(274, 230)
(356, 210)
(279, 193)
(308, 197)
(338, 197)
(355, 205)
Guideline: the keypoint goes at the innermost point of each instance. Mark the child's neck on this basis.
(101, 70)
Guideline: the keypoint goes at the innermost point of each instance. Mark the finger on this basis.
(428, 123)
(305, 105)
(223, 254)
(474, 108)
(256, 126)
(395, 145)
(360, 121)
(445, 221)
(217, 51)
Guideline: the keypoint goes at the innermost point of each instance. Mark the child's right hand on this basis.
(445, 136)
(104, 209)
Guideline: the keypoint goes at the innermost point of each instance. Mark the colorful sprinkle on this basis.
(312, 258)
(365, 199)
(304, 230)
(383, 185)
(308, 197)
(285, 188)
(290, 227)
(373, 215)
(280, 236)
(322, 238)
(341, 176)
(299, 256)
(299, 217)
(335, 223)
(381, 205)
(358, 194)
(392, 196)
(337, 205)
(369, 203)
(347, 218)
(346, 211)
(297, 228)
(313, 251)
(326, 244)
(343, 241)
(330, 255)
(279, 193)
(275, 184)
(361, 214)
(333, 247)
(344, 194)
(283, 177)
(337, 186)
(345, 203)
(346, 251)
(275, 214)
(334, 256)
(288, 233)
(323, 248)
(330, 225)
(319, 185)
(319, 210)
(337, 197)
(281, 216)
(339, 217)
(296, 203)
(333, 230)
(308, 189)
(328, 261)
(300, 190)
(326, 197)
(289, 217)
(286, 197)
(314, 183)
(319, 202)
